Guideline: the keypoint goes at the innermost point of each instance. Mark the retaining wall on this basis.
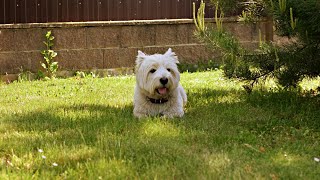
(111, 44)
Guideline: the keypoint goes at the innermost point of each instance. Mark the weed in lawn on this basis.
(200, 66)
(81, 74)
(49, 64)
(24, 75)
(86, 129)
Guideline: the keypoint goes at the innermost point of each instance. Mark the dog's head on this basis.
(157, 74)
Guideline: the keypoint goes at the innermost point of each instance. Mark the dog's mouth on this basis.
(162, 91)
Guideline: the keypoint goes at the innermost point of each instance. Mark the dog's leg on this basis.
(139, 115)
(174, 112)
(139, 112)
(183, 94)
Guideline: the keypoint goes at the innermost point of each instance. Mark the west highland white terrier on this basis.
(157, 90)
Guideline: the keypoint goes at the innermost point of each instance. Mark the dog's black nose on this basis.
(164, 81)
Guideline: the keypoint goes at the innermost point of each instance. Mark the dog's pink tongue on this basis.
(162, 90)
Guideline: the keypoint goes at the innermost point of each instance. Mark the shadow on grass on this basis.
(259, 112)
(235, 107)
(280, 106)
(85, 119)
(260, 129)
(149, 147)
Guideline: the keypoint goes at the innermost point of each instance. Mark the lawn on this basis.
(84, 129)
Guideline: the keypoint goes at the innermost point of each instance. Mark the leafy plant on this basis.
(253, 11)
(49, 65)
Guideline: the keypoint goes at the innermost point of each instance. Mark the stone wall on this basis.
(107, 45)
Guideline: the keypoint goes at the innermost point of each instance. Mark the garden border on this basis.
(91, 46)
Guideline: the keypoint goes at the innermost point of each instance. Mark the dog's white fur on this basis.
(150, 69)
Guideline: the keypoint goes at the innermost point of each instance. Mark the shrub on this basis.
(289, 63)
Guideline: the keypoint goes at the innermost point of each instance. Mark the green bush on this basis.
(289, 63)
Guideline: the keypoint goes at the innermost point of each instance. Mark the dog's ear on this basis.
(140, 57)
(172, 55)
(140, 53)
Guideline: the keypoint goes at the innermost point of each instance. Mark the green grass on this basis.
(87, 128)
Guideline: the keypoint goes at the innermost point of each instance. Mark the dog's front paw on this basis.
(139, 115)
(173, 114)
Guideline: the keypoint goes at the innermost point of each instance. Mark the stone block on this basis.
(156, 49)
(186, 54)
(191, 34)
(103, 37)
(8, 78)
(266, 30)
(191, 53)
(80, 59)
(166, 35)
(120, 57)
(7, 42)
(29, 39)
(243, 32)
(35, 58)
(11, 63)
(137, 36)
(69, 38)
(183, 33)
(195, 53)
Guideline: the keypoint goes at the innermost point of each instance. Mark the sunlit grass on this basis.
(84, 129)
(160, 128)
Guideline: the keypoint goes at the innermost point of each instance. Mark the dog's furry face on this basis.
(157, 75)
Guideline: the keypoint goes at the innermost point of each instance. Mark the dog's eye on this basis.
(152, 71)
(169, 70)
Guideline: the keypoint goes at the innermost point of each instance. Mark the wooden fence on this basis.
(42, 11)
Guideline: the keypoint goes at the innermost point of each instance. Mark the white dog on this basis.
(158, 91)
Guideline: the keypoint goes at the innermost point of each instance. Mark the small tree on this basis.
(288, 64)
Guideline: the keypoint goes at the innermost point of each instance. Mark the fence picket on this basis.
(32, 11)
